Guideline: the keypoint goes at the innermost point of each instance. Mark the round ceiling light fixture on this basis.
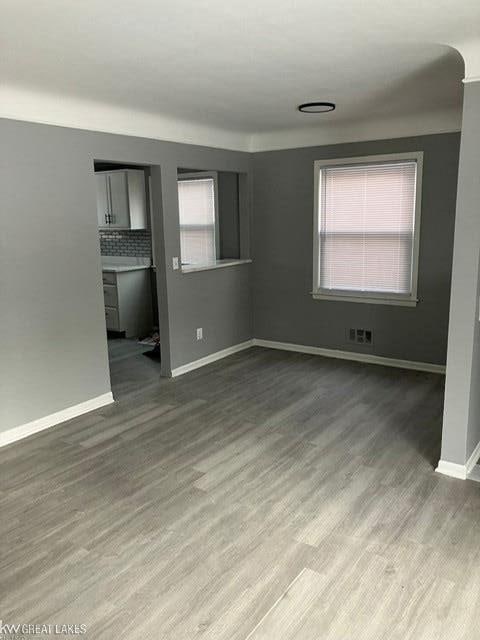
(316, 107)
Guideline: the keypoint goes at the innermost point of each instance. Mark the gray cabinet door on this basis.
(103, 208)
(121, 199)
(119, 204)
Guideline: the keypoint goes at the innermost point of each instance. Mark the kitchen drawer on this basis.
(109, 277)
(111, 318)
(110, 295)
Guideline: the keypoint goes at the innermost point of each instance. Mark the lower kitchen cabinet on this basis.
(128, 301)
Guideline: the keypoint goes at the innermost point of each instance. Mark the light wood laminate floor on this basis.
(268, 496)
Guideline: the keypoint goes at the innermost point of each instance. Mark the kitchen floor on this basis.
(267, 496)
(130, 370)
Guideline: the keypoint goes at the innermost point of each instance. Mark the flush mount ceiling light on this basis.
(316, 107)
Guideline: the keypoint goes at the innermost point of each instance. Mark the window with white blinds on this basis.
(198, 222)
(367, 221)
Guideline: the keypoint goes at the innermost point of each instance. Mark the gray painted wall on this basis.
(283, 253)
(461, 425)
(52, 316)
(229, 222)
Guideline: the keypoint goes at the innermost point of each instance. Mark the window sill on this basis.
(335, 297)
(219, 264)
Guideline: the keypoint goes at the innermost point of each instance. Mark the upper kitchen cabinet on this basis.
(121, 201)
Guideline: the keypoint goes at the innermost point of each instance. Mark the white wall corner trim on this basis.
(475, 473)
(470, 470)
(213, 357)
(472, 461)
(351, 355)
(470, 52)
(28, 429)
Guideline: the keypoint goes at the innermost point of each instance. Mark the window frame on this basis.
(371, 297)
(202, 175)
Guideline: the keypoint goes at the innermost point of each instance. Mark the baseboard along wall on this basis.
(23, 431)
(319, 351)
(468, 471)
(351, 355)
(213, 357)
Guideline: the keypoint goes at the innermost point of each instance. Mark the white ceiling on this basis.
(232, 74)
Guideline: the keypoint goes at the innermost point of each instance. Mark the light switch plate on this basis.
(199, 333)
(175, 263)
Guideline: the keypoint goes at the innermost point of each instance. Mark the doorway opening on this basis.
(129, 274)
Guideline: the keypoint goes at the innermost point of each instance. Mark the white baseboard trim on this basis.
(470, 470)
(28, 429)
(213, 357)
(472, 461)
(452, 469)
(319, 351)
(475, 473)
(351, 355)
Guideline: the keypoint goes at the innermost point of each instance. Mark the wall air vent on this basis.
(360, 336)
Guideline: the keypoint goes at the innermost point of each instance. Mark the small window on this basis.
(197, 201)
(367, 222)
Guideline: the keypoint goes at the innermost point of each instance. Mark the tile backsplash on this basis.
(126, 243)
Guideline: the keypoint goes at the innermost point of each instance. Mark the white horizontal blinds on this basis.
(366, 229)
(196, 201)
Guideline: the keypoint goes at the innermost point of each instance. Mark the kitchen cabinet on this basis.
(121, 201)
(128, 301)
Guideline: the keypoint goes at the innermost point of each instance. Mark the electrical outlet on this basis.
(175, 263)
(199, 333)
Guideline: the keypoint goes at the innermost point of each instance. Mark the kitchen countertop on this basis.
(218, 264)
(117, 264)
(118, 268)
